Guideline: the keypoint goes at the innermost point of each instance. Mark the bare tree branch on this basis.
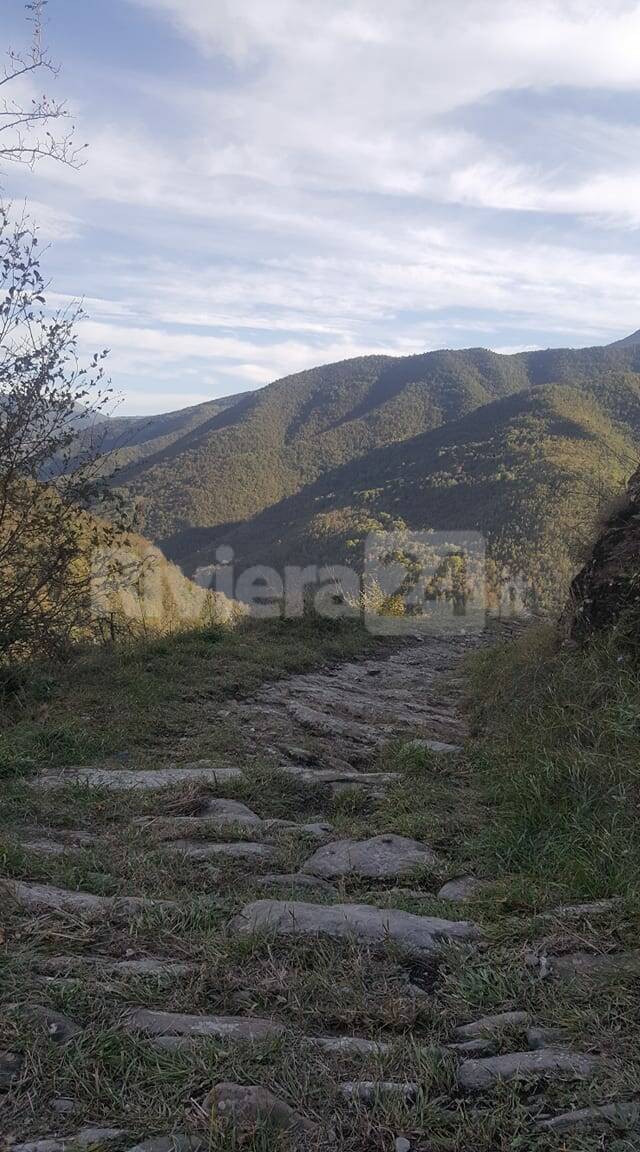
(41, 129)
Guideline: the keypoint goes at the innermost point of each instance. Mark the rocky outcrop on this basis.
(607, 589)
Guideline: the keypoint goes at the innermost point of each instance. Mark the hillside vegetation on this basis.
(525, 448)
(271, 443)
(530, 471)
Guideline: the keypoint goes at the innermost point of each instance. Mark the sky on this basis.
(276, 184)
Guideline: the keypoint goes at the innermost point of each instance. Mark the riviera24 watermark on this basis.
(404, 581)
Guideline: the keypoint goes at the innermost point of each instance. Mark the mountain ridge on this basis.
(243, 472)
(270, 443)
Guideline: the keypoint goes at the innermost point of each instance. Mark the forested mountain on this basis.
(127, 439)
(530, 471)
(526, 448)
(267, 445)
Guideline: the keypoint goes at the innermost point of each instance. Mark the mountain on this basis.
(529, 471)
(297, 471)
(128, 439)
(634, 338)
(267, 445)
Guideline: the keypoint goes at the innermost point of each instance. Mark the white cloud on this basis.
(320, 188)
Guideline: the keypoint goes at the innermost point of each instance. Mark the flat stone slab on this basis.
(85, 1138)
(217, 1027)
(580, 911)
(363, 922)
(368, 1091)
(203, 850)
(56, 843)
(60, 1028)
(478, 1047)
(45, 898)
(120, 779)
(381, 858)
(223, 811)
(492, 1025)
(462, 889)
(245, 1106)
(143, 966)
(539, 1037)
(177, 1142)
(290, 880)
(349, 1045)
(545, 1064)
(338, 776)
(591, 966)
(318, 830)
(329, 725)
(599, 1119)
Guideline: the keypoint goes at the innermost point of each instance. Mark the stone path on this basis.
(230, 947)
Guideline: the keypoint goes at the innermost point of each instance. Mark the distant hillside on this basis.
(531, 471)
(266, 446)
(129, 439)
(634, 338)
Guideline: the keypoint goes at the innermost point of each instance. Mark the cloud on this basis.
(335, 178)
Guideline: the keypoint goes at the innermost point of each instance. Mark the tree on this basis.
(25, 129)
(51, 407)
(51, 482)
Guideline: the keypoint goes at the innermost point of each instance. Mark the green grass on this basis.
(474, 810)
(142, 696)
(559, 756)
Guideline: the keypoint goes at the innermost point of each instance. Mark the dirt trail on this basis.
(271, 947)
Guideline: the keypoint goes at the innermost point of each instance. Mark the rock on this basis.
(402, 1144)
(144, 966)
(580, 911)
(606, 588)
(591, 966)
(301, 754)
(492, 1025)
(10, 1066)
(339, 776)
(464, 888)
(178, 1142)
(293, 880)
(44, 847)
(381, 857)
(59, 1027)
(228, 812)
(368, 1091)
(120, 779)
(85, 1138)
(45, 898)
(204, 850)
(599, 1119)
(546, 1064)
(330, 725)
(218, 1027)
(545, 1037)
(440, 746)
(372, 792)
(64, 1106)
(246, 1106)
(474, 1047)
(349, 1045)
(418, 934)
(319, 829)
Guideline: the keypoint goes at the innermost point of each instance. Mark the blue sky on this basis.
(273, 184)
